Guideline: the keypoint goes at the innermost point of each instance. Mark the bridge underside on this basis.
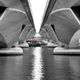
(63, 20)
(15, 21)
(31, 34)
(28, 33)
(48, 33)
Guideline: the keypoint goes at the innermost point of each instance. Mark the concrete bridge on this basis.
(15, 21)
(61, 22)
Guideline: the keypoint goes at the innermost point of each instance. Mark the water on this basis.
(37, 71)
(53, 67)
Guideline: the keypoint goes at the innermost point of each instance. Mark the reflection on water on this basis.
(55, 67)
(61, 68)
(37, 71)
(66, 68)
(75, 67)
(10, 68)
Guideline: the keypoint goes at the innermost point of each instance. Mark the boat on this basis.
(35, 43)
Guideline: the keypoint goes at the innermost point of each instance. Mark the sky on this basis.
(38, 8)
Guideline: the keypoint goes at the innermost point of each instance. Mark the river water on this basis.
(41, 64)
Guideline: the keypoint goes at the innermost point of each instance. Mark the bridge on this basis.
(62, 22)
(51, 54)
(60, 25)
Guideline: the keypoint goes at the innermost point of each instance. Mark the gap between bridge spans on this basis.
(38, 8)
